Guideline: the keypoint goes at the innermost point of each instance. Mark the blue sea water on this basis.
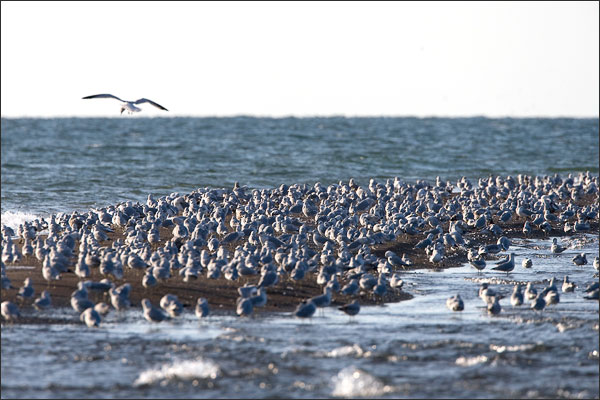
(414, 349)
(62, 165)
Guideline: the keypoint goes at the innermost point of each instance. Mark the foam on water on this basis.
(13, 219)
(470, 361)
(180, 370)
(522, 347)
(354, 382)
(344, 351)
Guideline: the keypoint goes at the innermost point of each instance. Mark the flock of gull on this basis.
(289, 233)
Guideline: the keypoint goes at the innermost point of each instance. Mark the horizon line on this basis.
(302, 116)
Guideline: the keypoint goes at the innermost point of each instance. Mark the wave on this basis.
(179, 370)
(471, 361)
(354, 382)
(344, 351)
(15, 218)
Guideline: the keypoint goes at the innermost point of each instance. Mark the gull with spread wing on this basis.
(127, 105)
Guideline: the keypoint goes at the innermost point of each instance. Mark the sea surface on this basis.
(62, 165)
(415, 349)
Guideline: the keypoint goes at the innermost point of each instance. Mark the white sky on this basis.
(202, 59)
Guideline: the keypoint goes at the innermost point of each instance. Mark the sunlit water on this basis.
(416, 348)
(52, 165)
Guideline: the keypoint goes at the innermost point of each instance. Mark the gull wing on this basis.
(140, 101)
(103, 96)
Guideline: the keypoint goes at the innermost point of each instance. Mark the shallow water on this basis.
(416, 348)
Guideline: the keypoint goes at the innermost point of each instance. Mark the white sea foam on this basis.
(15, 218)
(354, 382)
(470, 361)
(354, 350)
(510, 349)
(182, 370)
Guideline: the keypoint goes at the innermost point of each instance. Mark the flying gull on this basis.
(127, 105)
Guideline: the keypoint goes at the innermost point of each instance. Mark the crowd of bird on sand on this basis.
(297, 248)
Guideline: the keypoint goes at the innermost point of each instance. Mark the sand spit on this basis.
(304, 237)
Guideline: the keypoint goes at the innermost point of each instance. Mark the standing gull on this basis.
(351, 309)
(90, 317)
(43, 301)
(202, 308)
(27, 291)
(10, 311)
(506, 266)
(567, 285)
(151, 313)
(516, 299)
(305, 309)
(530, 292)
(127, 105)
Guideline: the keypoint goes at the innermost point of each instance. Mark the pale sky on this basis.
(302, 59)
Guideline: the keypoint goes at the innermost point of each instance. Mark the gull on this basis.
(530, 291)
(455, 303)
(478, 263)
(592, 287)
(119, 297)
(90, 317)
(10, 311)
(102, 308)
(79, 299)
(507, 265)
(170, 303)
(394, 260)
(202, 309)
(557, 248)
(567, 285)
(486, 293)
(593, 295)
(127, 105)
(148, 280)
(538, 303)
(350, 309)
(247, 291)
(269, 278)
(305, 309)
(151, 313)
(351, 288)
(493, 306)
(6, 282)
(396, 282)
(43, 301)
(550, 297)
(27, 291)
(244, 306)
(580, 259)
(323, 300)
(260, 299)
(516, 299)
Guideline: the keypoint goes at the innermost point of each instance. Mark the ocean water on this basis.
(62, 165)
(414, 349)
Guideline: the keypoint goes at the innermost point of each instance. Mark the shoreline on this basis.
(282, 297)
